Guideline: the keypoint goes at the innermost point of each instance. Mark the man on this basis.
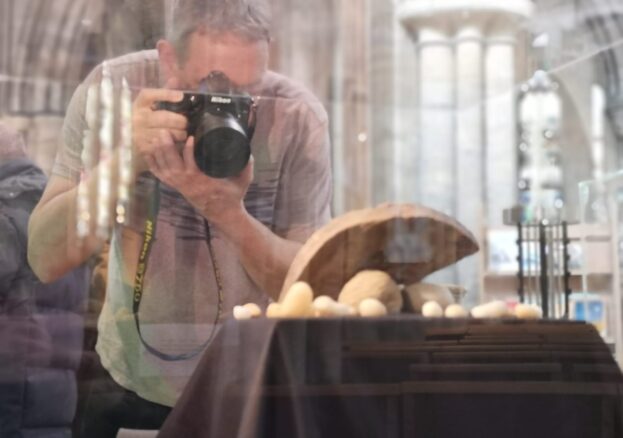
(217, 242)
(40, 325)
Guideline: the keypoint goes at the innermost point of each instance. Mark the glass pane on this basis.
(165, 162)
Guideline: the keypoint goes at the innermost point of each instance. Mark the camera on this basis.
(221, 122)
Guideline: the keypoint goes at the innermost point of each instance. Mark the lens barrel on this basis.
(222, 146)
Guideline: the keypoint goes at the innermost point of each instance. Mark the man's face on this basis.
(242, 61)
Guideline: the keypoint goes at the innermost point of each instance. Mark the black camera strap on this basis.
(141, 269)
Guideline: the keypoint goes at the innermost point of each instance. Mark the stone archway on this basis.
(48, 47)
(42, 59)
(43, 52)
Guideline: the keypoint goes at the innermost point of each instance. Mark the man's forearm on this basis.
(54, 247)
(265, 256)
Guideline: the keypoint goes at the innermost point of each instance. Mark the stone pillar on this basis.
(382, 101)
(501, 142)
(437, 88)
(598, 145)
(351, 153)
(437, 164)
(469, 145)
(405, 172)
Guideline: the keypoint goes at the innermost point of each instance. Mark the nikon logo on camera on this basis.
(220, 99)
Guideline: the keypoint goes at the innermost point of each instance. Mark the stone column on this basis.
(382, 52)
(352, 156)
(598, 146)
(469, 144)
(406, 112)
(501, 142)
(437, 164)
(437, 88)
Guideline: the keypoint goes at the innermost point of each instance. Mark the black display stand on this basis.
(543, 266)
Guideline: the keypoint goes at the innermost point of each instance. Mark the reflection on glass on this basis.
(467, 107)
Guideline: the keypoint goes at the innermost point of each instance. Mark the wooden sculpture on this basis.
(406, 241)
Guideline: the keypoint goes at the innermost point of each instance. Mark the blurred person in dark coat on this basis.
(40, 325)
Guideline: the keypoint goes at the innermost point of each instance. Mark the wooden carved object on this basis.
(407, 241)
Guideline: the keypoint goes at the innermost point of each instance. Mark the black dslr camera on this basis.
(222, 123)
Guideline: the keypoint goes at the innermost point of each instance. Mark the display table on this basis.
(402, 377)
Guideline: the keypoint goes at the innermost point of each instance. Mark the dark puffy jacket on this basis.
(41, 325)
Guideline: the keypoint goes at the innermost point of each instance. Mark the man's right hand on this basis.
(155, 130)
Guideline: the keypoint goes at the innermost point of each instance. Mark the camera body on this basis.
(222, 125)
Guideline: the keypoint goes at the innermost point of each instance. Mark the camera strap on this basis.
(141, 269)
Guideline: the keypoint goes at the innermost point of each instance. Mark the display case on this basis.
(464, 108)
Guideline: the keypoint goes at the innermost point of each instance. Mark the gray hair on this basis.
(249, 19)
(11, 144)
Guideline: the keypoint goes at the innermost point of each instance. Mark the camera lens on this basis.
(221, 146)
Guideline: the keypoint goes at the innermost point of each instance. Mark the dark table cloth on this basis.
(402, 376)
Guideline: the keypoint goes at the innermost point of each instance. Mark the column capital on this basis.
(454, 14)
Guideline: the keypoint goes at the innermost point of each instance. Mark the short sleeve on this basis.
(305, 189)
(75, 129)
(140, 69)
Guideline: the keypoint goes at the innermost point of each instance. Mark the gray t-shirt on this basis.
(290, 194)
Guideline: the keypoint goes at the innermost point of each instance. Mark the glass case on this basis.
(467, 107)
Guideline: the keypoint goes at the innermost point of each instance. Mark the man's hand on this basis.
(154, 130)
(216, 199)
